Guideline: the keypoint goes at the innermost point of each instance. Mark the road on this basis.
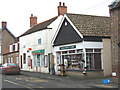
(22, 81)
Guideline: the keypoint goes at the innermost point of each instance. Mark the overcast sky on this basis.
(17, 12)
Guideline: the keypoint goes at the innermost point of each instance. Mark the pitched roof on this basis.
(115, 4)
(9, 32)
(89, 25)
(39, 26)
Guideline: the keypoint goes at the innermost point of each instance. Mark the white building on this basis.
(35, 44)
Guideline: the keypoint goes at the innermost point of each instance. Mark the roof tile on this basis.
(89, 25)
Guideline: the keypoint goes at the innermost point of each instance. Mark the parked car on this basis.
(10, 68)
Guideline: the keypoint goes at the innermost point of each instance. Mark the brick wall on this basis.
(115, 39)
(7, 39)
(11, 55)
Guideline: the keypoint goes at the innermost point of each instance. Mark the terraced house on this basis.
(7, 39)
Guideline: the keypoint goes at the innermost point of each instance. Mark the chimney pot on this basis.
(59, 3)
(63, 4)
(4, 24)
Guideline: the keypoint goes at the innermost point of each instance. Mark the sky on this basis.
(17, 12)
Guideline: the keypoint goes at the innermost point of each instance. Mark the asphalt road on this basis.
(22, 81)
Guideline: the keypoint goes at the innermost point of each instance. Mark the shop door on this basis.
(97, 61)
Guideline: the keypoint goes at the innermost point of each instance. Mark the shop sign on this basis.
(68, 47)
(38, 51)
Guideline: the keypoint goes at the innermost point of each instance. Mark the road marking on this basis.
(11, 82)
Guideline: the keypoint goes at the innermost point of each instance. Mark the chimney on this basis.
(62, 9)
(33, 20)
(4, 24)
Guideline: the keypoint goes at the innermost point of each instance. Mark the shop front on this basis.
(40, 61)
(79, 56)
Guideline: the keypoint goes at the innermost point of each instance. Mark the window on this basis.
(72, 51)
(89, 50)
(28, 60)
(93, 59)
(11, 60)
(38, 60)
(65, 23)
(8, 60)
(10, 47)
(13, 48)
(97, 50)
(42, 60)
(34, 59)
(39, 41)
(79, 51)
(24, 57)
(64, 52)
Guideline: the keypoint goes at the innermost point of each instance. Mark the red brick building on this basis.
(115, 37)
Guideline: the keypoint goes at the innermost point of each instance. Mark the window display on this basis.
(74, 62)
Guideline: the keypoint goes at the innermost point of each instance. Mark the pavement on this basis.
(94, 82)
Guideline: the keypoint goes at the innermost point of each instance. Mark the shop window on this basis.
(34, 59)
(72, 51)
(24, 57)
(42, 60)
(38, 59)
(79, 51)
(74, 62)
(29, 61)
(64, 52)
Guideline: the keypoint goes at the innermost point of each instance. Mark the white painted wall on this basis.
(31, 41)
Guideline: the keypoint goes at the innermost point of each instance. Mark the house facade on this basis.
(83, 42)
(35, 44)
(115, 37)
(13, 55)
(7, 39)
